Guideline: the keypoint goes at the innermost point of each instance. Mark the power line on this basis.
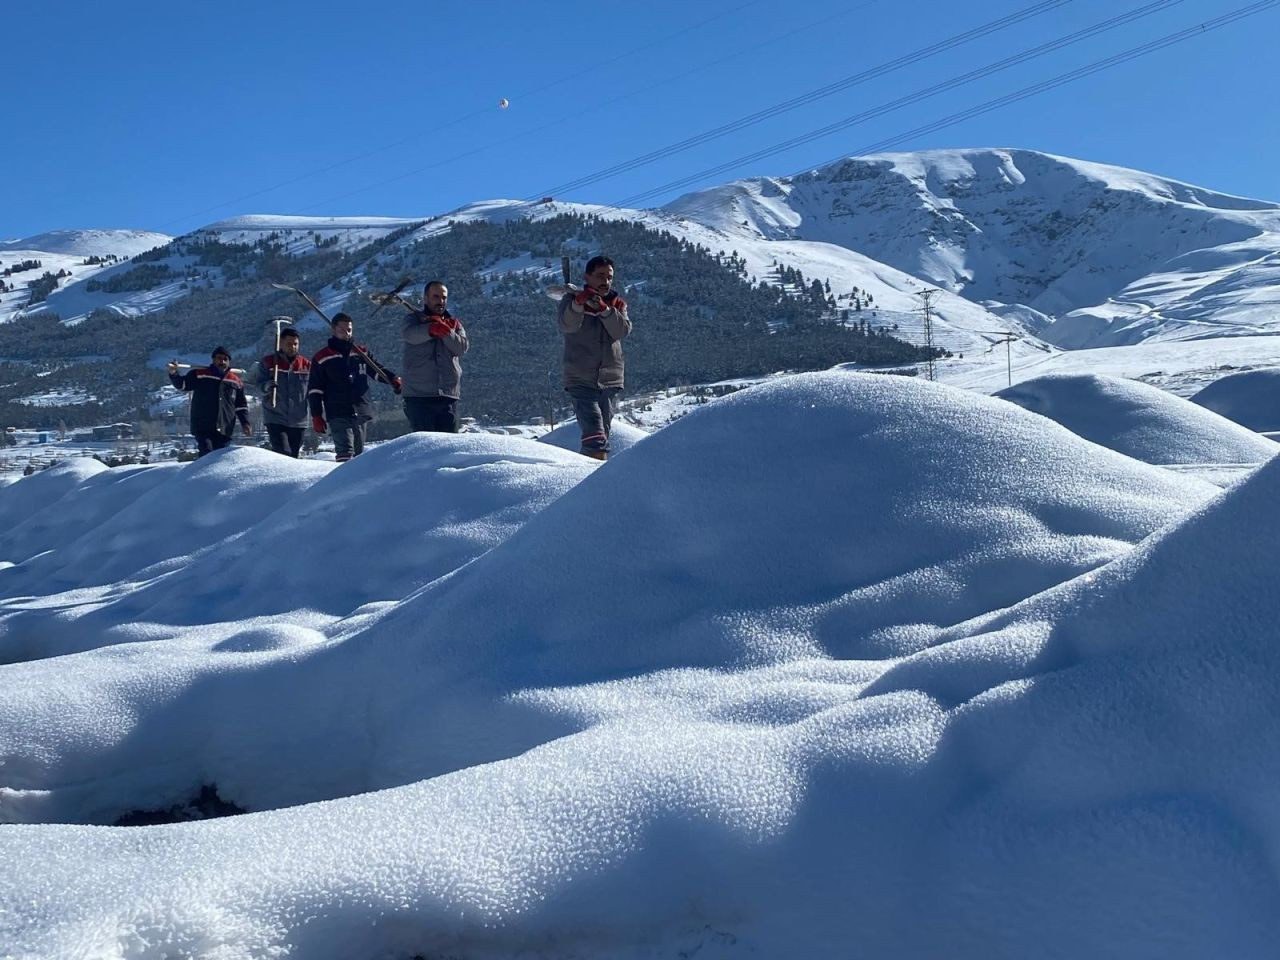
(1026, 92)
(945, 86)
(437, 128)
(455, 157)
(812, 96)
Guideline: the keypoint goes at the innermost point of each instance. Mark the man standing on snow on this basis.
(217, 401)
(594, 322)
(282, 377)
(340, 376)
(434, 342)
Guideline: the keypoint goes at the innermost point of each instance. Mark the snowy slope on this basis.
(1116, 254)
(1140, 421)
(1057, 251)
(908, 695)
(84, 243)
(67, 250)
(896, 302)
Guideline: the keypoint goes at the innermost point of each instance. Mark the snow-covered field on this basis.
(837, 665)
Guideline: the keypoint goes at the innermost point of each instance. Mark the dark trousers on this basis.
(594, 410)
(432, 414)
(209, 442)
(286, 440)
(348, 436)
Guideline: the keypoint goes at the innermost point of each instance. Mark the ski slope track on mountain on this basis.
(838, 652)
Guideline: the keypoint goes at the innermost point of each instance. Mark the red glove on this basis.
(442, 326)
(396, 384)
(587, 299)
(318, 424)
(615, 301)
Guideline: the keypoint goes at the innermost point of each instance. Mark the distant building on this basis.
(113, 431)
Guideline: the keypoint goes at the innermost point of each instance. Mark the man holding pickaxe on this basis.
(282, 377)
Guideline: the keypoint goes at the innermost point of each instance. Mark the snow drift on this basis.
(1250, 398)
(839, 653)
(1139, 421)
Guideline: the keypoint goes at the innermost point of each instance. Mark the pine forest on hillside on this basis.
(699, 316)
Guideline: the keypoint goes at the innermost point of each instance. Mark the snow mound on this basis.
(1138, 420)
(1251, 398)
(40, 490)
(701, 742)
(922, 506)
(419, 507)
(622, 436)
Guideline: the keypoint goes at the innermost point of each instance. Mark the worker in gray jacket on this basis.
(283, 379)
(434, 340)
(594, 322)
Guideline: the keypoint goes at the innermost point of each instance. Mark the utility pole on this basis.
(927, 296)
(1008, 337)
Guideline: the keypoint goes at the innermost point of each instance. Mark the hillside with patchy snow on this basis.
(67, 250)
(1062, 253)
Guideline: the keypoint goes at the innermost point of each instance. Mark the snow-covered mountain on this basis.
(1064, 253)
(1109, 255)
(85, 243)
(59, 251)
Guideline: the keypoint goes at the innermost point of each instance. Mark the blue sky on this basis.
(169, 116)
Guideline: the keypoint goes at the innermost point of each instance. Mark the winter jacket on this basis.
(217, 399)
(431, 365)
(340, 375)
(290, 388)
(593, 344)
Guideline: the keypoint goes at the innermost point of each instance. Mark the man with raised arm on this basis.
(594, 322)
(434, 342)
(217, 401)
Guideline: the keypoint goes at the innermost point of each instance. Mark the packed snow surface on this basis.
(1139, 420)
(836, 653)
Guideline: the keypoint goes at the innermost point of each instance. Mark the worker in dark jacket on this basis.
(283, 377)
(434, 340)
(594, 322)
(340, 375)
(217, 401)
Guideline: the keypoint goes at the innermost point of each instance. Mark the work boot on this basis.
(595, 454)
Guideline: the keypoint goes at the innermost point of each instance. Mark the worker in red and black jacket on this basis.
(217, 401)
(340, 375)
